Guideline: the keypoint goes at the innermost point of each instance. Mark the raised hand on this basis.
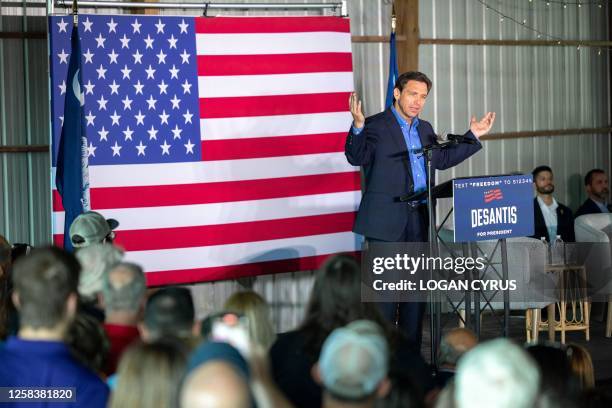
(355, 107)
(482, 127)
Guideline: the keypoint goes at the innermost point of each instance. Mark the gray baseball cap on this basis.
(354, 360)
(90, 228)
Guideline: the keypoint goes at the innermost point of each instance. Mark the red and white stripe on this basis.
(491, 195)
(274, 192)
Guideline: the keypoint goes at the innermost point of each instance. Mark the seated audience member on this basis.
(551, 218)
(206, 326)
(123, 292)
(496, 373)
(88, 342)
(5, 287)
(581, 365)
(257, 312)
(92, 228)
(169, 312)
(403, 394)
(217, 377)
(335, 301)
(45, 295)
(5, 256)
(20, 249)
(9, 319)
(453, 345)
(96, 260)
(558, 382)
(597, 189)
(353, 366)
(149, 375)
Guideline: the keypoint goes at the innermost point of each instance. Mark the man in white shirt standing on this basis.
(551, 218)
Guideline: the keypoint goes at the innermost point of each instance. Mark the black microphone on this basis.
(460, 139)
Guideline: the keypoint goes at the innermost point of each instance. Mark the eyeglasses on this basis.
(109, 237)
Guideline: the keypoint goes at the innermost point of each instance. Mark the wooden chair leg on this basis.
(562, 319)
(551, 321)
(587, 320)
(609, 319)
(528, 323)
(462, 318)
(535, 325)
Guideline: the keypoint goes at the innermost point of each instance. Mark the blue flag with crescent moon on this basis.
(72, 178)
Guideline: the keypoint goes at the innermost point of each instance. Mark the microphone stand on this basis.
(434, 303)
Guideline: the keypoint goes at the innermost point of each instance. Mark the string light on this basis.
(503, 17)
(574, 3)
(539, 33)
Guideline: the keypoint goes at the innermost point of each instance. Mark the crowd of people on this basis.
(87, 321)
(90, 324)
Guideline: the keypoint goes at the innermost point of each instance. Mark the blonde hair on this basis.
(581, 365)
(256, 310)
(149, 375)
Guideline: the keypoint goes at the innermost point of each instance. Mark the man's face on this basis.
(599, 187)
(411, 100)
(544, 183)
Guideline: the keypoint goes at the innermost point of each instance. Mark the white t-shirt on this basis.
(550, 217)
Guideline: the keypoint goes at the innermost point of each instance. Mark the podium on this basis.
(484, 209)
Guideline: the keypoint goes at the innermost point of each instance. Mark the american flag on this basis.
(492, 195)
(217, 143)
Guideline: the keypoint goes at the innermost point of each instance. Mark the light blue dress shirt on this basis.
(413, 142)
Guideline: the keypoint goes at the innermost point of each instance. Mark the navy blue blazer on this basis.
(565, 223)
(381, 150)
(588, 207)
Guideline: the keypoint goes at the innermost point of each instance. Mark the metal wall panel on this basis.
(529, 87)
(24, 208)
(370, 60)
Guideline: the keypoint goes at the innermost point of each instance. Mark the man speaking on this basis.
(388, 146)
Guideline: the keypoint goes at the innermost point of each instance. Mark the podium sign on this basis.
(493, 207)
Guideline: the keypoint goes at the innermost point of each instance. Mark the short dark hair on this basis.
(170, 312)
(43, 281)
(588, 179)
(540, 169)
(88, 342)
(403, 79)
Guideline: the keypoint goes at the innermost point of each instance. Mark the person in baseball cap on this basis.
(353, 366)
(92, 228)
